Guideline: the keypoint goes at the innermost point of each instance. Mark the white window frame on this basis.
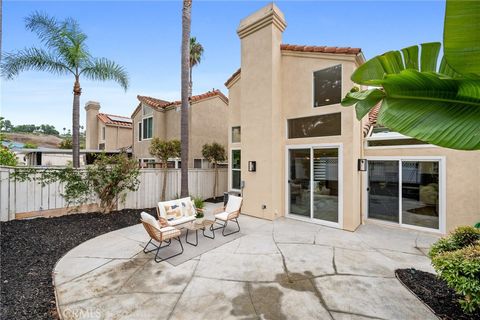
(313, 86)
(339, 146)
(230, 169)
(142, 121)
(442, 186)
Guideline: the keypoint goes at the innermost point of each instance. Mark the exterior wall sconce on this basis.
(362, 164)
(252, 166)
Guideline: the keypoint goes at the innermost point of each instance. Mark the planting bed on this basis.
(30, 249)
(435, 293)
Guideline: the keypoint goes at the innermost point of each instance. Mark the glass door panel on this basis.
(325, 184)
(420, 200)
(383, 195)
(299, 182)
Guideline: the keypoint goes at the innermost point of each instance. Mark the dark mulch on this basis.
(215, 200)
(435, 293)
(30, 249)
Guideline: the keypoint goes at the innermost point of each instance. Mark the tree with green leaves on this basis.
(65, 53)
(164, 150)
(214, 153)
(439, 106)
(185, 85)
(196, 54)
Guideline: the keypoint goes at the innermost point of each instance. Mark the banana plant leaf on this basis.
(441, 107)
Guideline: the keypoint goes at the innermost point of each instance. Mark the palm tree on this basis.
(196, 53)
(439, 105)
(186, 22)
(66, 54)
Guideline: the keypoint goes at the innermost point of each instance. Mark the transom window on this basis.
(327, 86)
(315, 126)
(236, 134)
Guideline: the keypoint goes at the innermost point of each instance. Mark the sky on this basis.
(144, 37)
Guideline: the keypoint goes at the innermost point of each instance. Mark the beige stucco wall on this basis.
(208, 123)
(91, 111)
(117, 137)
(274, 86)
(462, 180)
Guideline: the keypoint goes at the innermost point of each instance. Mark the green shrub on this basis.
(461, 270)
(477, 225)
(458, 239)
(7, 157)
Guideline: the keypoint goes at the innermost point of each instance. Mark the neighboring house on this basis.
(160, 118)
(295, 152)
(107, 131)
(47, 157)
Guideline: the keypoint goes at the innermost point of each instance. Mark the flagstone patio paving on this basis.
(284, 269)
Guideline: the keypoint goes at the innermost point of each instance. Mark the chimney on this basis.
(261, 64)
(92, 108)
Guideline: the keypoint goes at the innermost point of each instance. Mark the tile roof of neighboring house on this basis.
(111, 119)
(157, 103)
(372, 120)
(299, 48)
(324, 49)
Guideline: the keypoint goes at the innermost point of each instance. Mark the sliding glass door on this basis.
(404, 191)
(313, 183)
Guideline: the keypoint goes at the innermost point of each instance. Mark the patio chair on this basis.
(159, 234)
(230, 212)
(175, 213)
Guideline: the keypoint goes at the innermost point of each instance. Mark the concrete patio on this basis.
(284, 269)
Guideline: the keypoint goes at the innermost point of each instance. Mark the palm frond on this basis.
(196, 52)
(32, 59)
(105, 69)
(47, 28)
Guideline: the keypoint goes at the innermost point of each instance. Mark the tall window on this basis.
(315, 126)
(236, 134)
(145, 127)
(236, 169)
(103, 133)
(148, 128)
(327, 86)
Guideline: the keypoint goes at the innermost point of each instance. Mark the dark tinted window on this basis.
(315, 126)
(327, 86)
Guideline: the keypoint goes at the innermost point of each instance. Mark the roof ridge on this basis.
(158, 103)
(324, 49)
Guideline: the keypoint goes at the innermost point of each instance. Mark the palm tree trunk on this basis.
(190, 83)
(186, 21)
(164, 187)
(77, 91)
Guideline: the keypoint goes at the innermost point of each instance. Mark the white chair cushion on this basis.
(222, 216)
(188, 207)
(234, 203)
(166, 229)
(150, 220)
(181, 220)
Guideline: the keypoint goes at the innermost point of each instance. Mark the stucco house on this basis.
(160, 118)
(106, 131)
(315, 161)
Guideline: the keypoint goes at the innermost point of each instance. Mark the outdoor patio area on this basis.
(285, 269)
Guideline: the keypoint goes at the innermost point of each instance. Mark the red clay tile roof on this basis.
(372, 119)
(105, 118)
(233, 76)
(161, 104)
(325, 49)
(299, 48)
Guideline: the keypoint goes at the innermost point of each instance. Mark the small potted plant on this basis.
(199, 205)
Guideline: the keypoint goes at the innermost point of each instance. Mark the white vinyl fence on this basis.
(30, 196)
